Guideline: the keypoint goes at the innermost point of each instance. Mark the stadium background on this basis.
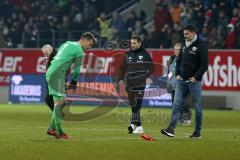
(25, 25)
(30, 24)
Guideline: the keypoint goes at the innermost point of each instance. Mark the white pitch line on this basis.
(115, 129)
(73, 129)
(102, 139)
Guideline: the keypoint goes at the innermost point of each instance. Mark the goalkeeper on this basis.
(49, 53)
(69, 52)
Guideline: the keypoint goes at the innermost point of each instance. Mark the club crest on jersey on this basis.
(129, 58)
(140, 58)
(194, 49)
(183, 49)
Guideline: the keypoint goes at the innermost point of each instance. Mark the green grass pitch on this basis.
(23, 136)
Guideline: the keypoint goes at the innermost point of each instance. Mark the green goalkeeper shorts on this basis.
(56, 86)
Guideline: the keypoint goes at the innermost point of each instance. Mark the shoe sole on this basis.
(167, 134)
(63, 138)
(54, 135)
(137, 132)
(59, 137)
(195, 137)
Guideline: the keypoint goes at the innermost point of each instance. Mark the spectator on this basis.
(31, 36)
(118, 25)
(219, 38)
(64, 28)
(238, 30)
(176, 34)
(223, 20)
(209, 23)
(103, 27)
(212, 41)
(235, 17)
(230, 39)
(153, 37)
(204, 34)
(45, 34)
(162, 17)
(44, 15)
(78, 26)
(64, 7)
(1, 34)
(165, 37)
(176, 11)
(198, 14)
(215, 13)
(118, 22)
(114, 35)
(89, 12)
(131, 20)
(139, 30)
(142, 16)
(187, 18)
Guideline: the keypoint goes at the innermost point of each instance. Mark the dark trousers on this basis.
(135, 97)
(49, 100)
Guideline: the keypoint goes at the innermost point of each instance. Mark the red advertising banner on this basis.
(20, 62)
(223, 72)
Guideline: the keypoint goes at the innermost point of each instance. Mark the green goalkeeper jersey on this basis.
(68, 53)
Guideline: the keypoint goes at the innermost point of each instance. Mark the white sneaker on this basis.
(138, 130)
(131, 128)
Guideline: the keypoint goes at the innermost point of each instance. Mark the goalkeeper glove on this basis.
(72, 85)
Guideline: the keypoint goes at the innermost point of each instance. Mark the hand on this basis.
(193, 79)
(72, 85)
(178, 77)
(121, 84)
(149, 81)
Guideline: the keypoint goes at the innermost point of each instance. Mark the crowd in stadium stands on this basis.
(36, 22)
(217, 21)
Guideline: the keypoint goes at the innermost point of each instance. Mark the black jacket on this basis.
(137, 66)
(51, 56)
(192, 61)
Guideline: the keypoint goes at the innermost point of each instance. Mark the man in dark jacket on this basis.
(49, 53)
(136, 67)
(191, 64)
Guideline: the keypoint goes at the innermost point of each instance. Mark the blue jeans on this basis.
(183, 89)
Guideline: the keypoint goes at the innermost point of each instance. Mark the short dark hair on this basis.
(138, 38)
(178, 44)
(190, 28)
(89, 36)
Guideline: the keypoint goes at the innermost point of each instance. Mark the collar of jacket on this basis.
(189, 43)
(141, 48)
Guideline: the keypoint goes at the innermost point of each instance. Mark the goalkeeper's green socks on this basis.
(53, 121)
(58, 118)
(56, 122)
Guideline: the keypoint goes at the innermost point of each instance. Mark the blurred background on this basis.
(32, 23)
(26, 25)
